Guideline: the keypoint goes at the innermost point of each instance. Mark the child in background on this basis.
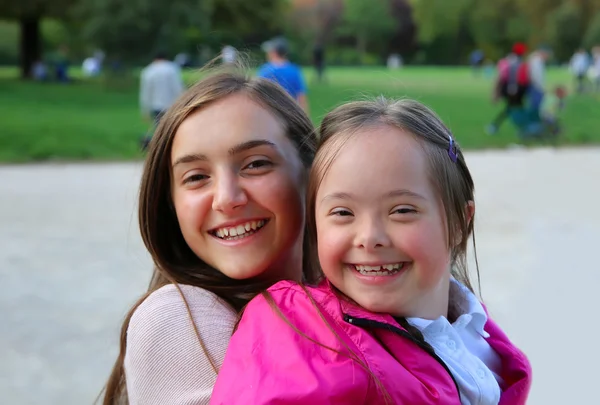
(552, 105)
(394, 320)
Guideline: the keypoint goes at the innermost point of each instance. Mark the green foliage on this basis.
(495, 26)
(592, 35)
(9, 40)
(371, 23)
(564, 29)
(133, 30)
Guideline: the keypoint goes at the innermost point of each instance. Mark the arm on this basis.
(269, 363)
(302, 99)
(178, 84)
(144, 94)
(164, 362)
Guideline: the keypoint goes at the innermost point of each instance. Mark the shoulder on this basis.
(289, 303)
(165, 360)
(169, 301)
(289, 293)
(264, 69)
(163, 318)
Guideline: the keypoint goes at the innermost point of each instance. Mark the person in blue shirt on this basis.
(283, 72)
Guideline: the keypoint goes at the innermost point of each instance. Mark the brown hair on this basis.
(452, 180)
(174, 261)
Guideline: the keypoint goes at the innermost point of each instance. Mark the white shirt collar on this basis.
(474, 315)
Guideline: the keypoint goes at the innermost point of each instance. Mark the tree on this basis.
(367, 21)
(495, 26)
(29, 14)
(592, 35)
(132, 30)
(443, 28)
(404, 39)
(564, 30)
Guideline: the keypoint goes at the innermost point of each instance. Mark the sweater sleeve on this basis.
(269, 363)
(164, 361)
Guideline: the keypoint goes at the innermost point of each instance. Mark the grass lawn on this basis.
(88, 120)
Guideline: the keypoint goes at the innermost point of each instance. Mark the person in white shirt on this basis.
(537, 77)
(229, 55)
(579, 66)
(160, 85)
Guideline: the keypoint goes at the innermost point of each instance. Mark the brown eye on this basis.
(259, 164)
(195, 178)
(405, 210)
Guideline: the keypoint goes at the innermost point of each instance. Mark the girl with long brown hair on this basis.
(221, 212)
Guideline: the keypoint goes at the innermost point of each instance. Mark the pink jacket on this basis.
(268, 362)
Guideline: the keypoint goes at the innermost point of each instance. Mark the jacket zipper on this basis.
(367, 323)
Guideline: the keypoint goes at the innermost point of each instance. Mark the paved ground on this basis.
(71, 263)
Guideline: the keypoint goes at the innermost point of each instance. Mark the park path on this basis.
(71, 263)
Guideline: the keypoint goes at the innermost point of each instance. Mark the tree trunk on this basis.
(30, 44)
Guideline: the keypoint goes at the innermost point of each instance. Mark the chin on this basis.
(240, 275)
(243, 271)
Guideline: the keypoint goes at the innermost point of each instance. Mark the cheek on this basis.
(191, 209)
(333, 245)
(281, 195)
(426, 245)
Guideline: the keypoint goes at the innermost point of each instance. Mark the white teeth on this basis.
(240, 231)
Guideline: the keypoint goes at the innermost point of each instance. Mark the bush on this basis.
(350, 57)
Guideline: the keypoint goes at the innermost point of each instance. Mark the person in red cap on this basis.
(512, 84)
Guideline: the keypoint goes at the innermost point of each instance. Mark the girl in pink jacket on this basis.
(395, 320)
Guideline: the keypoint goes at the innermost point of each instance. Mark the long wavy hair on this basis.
(174, 261)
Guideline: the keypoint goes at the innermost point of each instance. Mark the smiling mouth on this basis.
(382, 270)
(239, 231)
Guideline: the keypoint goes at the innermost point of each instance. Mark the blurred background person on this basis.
(283, 72)
(537, 77)
(579, 66)
(319, 61)
(229, 55)
(160, 85)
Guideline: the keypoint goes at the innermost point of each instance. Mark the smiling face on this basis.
(382, 237)
(238, 190)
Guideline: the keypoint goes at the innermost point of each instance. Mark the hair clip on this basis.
(452, 150)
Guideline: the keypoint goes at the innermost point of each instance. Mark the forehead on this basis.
(226, 123)
(375, 161)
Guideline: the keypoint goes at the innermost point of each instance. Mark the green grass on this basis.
(88, 120)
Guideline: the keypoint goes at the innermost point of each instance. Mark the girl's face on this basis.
(238, 190)
(382, 237)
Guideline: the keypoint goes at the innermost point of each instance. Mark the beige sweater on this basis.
(164, 362)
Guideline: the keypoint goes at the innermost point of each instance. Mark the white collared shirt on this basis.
(462, 346)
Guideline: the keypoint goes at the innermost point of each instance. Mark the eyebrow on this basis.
(244, 146)
(393, 193)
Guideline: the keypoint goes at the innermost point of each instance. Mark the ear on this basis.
(469, 214)
(470, 211)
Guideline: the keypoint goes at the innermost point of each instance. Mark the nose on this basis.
(228, 193)
(372, 235)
